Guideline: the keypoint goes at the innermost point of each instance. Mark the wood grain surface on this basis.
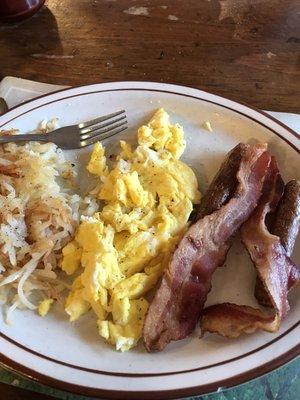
(246, 50)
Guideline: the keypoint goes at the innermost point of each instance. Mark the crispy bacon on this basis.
(274, 270)
(231, 320)
(179, 300)
(286, 226)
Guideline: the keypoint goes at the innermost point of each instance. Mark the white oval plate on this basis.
(72, 356)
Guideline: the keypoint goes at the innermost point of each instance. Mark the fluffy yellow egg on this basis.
(97, 164)
(71, 258)
(147, 198)
(44, 307)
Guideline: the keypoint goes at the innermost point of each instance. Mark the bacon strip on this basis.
(179, 300)
(231, 320)
(287, 220)
(273, 265)
(286, 227)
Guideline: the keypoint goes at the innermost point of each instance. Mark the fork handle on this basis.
(24, 138)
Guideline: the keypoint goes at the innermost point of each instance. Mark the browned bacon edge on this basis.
(273, 266)
(178, 302)
(231, 320)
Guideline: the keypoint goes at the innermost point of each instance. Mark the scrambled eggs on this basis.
(122, 250)
(44, 307)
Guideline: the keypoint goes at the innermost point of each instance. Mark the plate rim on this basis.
(170, 85)
(170, 394)
(202, 389)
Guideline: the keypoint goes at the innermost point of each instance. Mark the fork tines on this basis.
(102, 128)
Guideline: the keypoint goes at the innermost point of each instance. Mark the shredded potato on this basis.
(38, 217)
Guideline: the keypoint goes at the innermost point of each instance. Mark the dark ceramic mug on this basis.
(17, 10)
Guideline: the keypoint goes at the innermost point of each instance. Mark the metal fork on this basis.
(77, 136)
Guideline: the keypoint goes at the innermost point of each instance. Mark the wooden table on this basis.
(247, 50)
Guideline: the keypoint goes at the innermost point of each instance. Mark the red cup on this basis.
(17, 10)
